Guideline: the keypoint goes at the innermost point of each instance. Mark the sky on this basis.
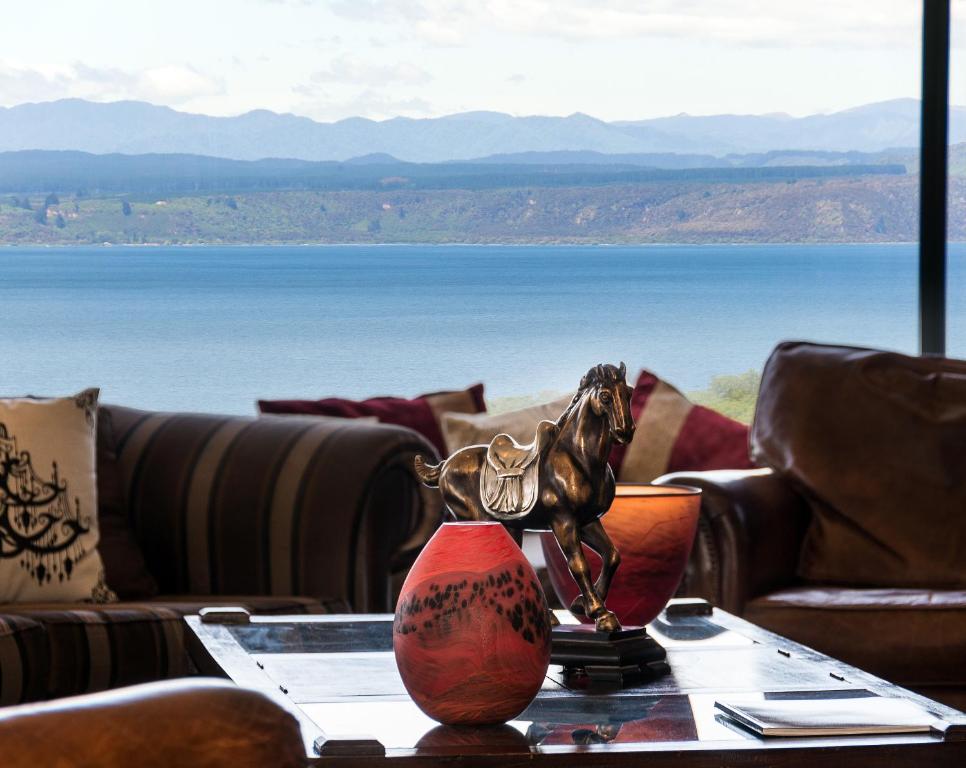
(612, 59)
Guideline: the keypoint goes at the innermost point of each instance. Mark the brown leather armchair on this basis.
(197, 723)
(850, 543)
(745, 560)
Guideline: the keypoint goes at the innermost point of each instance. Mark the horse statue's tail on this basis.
(428, 473)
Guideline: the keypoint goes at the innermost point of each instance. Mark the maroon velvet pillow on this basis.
(421, 414)
(675, 435)
(125, 569)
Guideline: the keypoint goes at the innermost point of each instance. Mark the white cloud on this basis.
(175, 84)
(20, 84)
(170, 84)
(354, 86)
(375, 104)
(347, 70)
(733, 22)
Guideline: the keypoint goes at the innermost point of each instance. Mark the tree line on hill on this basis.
(36, 171)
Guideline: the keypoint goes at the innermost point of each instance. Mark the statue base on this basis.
(620, 659)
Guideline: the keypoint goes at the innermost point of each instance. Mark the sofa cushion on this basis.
(23, 658)
(421, 414)
(271, 605)
(124, 567)
(877, 442)
(95, 647)
(675, 435)
(912, 637)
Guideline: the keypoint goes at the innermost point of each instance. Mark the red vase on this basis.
(472, 632)
(653, 528)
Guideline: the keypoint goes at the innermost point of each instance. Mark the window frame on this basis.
(933, 172)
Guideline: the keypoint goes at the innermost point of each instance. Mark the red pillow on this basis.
(421, 413)
(675, 435)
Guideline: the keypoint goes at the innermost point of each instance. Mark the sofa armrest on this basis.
(192, 724)
(277, 505)
(749, 535)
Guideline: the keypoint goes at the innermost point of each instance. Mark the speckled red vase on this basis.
(472, 634)
(653, 528)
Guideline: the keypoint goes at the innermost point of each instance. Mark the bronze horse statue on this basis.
(561, 482)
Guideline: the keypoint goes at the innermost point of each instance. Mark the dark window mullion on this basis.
(932, 177)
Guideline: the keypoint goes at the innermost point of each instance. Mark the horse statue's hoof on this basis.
(577, 607)
(607, 622)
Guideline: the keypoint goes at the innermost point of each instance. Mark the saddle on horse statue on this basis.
(509, 482)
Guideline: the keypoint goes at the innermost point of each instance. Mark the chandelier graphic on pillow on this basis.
(39, 524)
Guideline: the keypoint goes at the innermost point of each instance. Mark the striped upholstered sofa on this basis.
(280, 514)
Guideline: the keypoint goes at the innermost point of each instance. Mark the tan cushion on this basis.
(912, 637)
(877, 441)
(463, 429)
(49, 532)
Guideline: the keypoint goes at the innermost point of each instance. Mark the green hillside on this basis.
(851, 209)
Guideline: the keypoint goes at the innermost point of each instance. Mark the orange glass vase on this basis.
(472, 630)
(653, 528)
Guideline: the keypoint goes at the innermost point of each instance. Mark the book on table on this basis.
(829, 717)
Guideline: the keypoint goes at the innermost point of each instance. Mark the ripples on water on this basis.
(213, 328)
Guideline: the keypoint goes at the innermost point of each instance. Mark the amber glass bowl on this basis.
(653, 527)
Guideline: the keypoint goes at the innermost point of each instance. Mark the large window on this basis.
(956, 211)
(466, 194)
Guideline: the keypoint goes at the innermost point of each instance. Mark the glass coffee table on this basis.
(337, 676)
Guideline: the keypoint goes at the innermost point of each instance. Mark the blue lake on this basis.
(213, 328)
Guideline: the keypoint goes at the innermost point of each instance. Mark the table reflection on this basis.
(549, 721)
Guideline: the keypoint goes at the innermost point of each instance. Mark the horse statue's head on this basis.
(605, 387)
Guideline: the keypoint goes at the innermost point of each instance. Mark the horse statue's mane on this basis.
(600, 374)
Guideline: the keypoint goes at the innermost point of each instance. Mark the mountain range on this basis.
(132, 127)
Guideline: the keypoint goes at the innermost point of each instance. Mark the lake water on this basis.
(213, 328)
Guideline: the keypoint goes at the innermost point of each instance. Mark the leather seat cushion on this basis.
(86, 648)
(908, 636)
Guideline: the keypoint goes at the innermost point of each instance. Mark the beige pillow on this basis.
(48, 501)
(463, 429)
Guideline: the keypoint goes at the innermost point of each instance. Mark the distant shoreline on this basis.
(563, 244)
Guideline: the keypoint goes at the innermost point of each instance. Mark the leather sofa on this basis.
(279, 514)
(865, 457)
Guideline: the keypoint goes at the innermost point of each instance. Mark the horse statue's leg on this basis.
(565, 529)
(595, 537)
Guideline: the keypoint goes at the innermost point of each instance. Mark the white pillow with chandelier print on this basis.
(48, 501)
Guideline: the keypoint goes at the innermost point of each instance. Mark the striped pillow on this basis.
(675, 435)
